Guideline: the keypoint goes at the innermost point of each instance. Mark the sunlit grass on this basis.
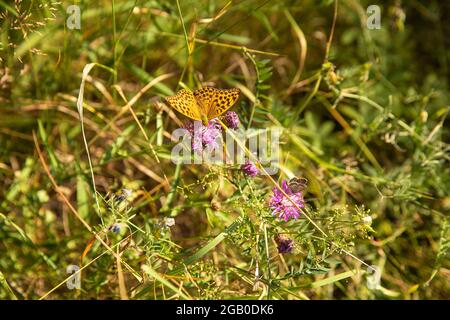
(362, 114)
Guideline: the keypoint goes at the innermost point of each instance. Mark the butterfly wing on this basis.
(184, 102)
(204, 97)
(214, 102)
(298, 184)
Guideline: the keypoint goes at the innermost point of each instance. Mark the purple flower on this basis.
(284, 244)
(201, 135)
(231, 119)
(282, 206)
(249, 169)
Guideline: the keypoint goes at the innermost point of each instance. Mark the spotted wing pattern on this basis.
(213, 102)
(185, 103)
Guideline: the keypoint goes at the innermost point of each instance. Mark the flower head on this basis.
(249, 169)
(231, 119)
(284, 244)
(282, 206)
(201, 135)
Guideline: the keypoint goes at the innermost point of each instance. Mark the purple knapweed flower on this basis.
(282, 206)
(249, 169)
(231, 119)
(203, 136)
(284, 244)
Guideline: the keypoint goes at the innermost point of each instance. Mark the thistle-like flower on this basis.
(249, 169)
(231, 119)
(203, 136)
(284, 244)
(282, 206)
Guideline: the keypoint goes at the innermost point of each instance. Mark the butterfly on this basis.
(298, 184)
(205, 103)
